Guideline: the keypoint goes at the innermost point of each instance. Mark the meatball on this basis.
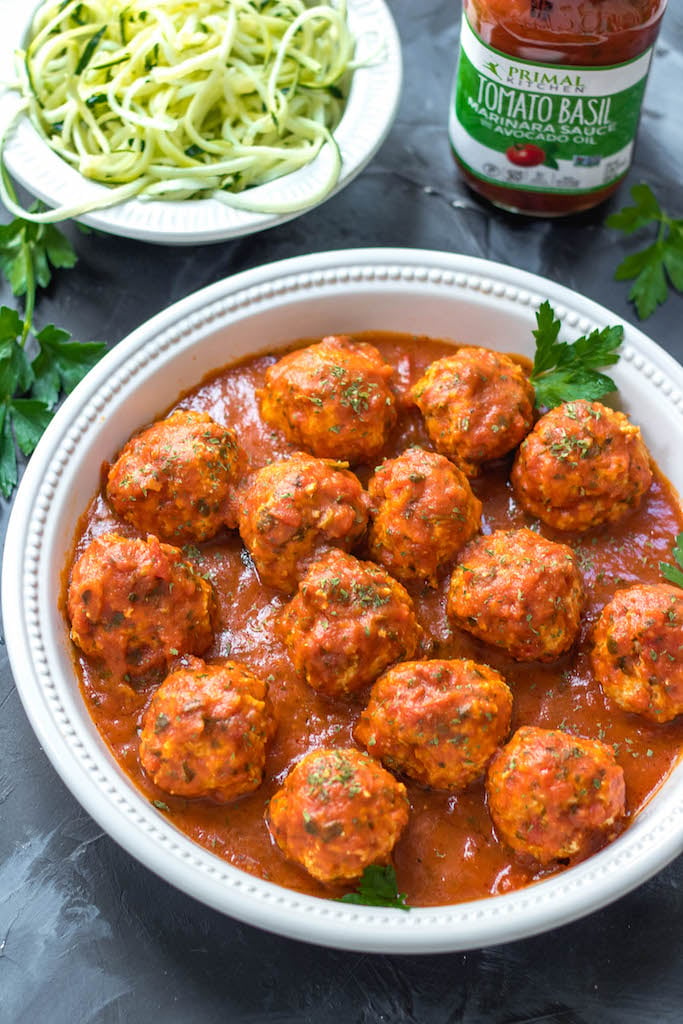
(439, 722)
(338, 812)
(477, 405)
(638, 650)
(332, 398)
(347, 622)
(292, 510)
(135, 605)
(423, 511)
(176, 479)
(205, 731)
(518, 591)
(582, 465)
(554, 796)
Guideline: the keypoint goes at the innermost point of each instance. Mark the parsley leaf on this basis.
(564, 371)
(22, 420)
(61, 363)
(658, 265)
(30, 416)
(15, 370)
(645, 209)
(670, 572)
(23, 415)
(29, 391)
(8, 455)
(35, 367)
(27, 253)
(377, 888)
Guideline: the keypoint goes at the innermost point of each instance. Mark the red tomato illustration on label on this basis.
(525, 154)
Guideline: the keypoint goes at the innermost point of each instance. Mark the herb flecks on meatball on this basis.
(423, 512)
(332, 398)
(520, 592)
(477, 406)
(348, 621)
(638, 650)
(338, 812)
(205, 731)
(439, 722)
(292, 510)
(555, 796)
(135, 605)
(177, 478)
(582, 465)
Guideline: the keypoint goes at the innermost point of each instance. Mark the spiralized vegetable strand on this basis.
(223, 94)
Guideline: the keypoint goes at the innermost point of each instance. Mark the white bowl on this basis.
(368, 116)
(431, 293)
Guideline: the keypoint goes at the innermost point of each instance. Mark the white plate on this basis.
(432, 293)
(367, 118)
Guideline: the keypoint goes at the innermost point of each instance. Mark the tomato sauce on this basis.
(449, 852)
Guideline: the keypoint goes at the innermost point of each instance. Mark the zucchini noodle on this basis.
(186, 99)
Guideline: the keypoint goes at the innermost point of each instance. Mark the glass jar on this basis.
(547, 99)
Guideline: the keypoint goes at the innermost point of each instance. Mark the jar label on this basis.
(544, 127)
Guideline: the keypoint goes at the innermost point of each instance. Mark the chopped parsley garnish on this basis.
(671, 572)
(654, 267)
(368, 596)
(565, 371)
(377, 888)
(357, 394)
(570, 448)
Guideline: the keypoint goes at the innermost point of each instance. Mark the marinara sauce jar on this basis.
(547, 99)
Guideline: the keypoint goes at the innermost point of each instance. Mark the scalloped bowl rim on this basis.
(367, 119)
(349, 290)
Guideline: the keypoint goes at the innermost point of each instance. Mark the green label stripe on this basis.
(565, 126)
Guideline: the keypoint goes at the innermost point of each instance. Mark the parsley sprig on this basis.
(377, 888)
(657, 266)
(36, 367)
(565, 371)
(670, 572)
